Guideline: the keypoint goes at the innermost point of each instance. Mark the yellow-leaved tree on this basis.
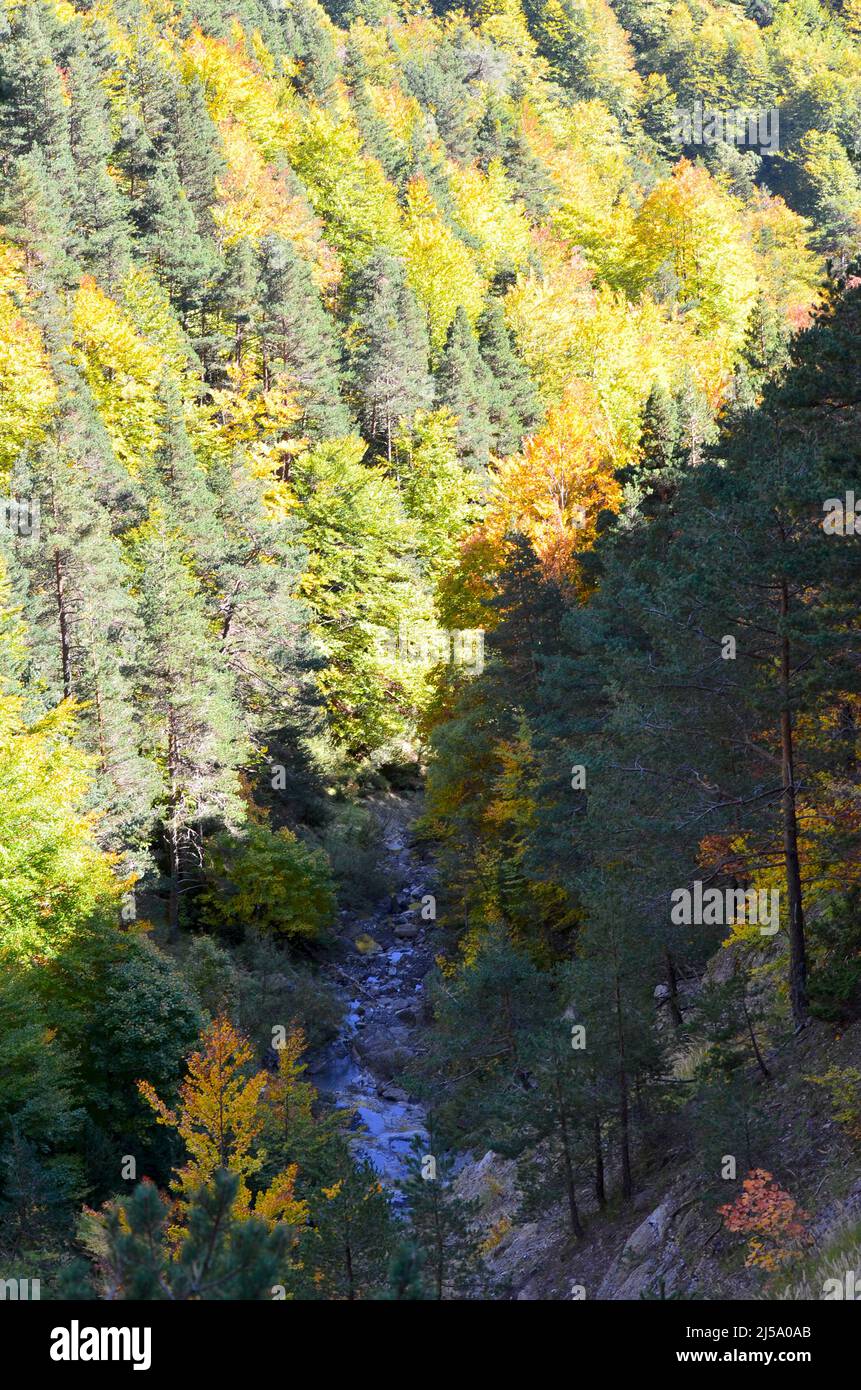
(54, 880)
(555, 489)
(220, 1119)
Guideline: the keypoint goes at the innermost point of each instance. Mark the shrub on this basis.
(269, 880)
(352, 842)
(835, 984)
(844, 1091)
(771, 1218)
(212, 975)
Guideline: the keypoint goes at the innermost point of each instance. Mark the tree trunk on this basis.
(760, 1061)
(624, 1120)
(348, 1257)
(63, 620)
(573, 1212)
(797, 957)
(440, 1250)
(173, 840)
(673, 986)
(600, 1191)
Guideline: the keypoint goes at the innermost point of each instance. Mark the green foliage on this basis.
(837, 952)
(220, 1257)
(405, 1276)
(444, 1243)
(231, 236)
(268, 880)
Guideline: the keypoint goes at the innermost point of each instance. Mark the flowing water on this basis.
(382, 991)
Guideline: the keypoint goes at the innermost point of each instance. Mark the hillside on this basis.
(429, 667)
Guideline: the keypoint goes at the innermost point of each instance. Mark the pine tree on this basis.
(440, 1222)
(170, 238)
(464, 385)
(312, 45)
(100, 221)
(514, 408)
(33, 111)
(36, 215)
(55, 881)
(181, 484)
(499, 136)
(352, 1229)
(199, 161)
(190, 721)
(764, 354)
(656, 473)
(405, 1276)
(297, 338)
(388, 349)
(220, 1257)
(86, 630)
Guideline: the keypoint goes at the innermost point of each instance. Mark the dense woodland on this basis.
(326, 323)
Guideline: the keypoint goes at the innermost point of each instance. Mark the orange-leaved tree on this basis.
(554, 491)
(771, 1218)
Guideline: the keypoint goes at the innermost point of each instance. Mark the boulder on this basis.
(649, 1234)
(366, 945)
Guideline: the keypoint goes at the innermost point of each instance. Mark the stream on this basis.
(382, 991)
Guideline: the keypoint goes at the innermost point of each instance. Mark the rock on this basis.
(406, 930)
(383, 1050)
(491, 1181)
(648, 1234)
(650, 1256)
(366, 945)
(406, 1015)
(389, 1092)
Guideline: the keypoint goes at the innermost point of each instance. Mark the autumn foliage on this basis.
(220, 1119)
(772, 1220)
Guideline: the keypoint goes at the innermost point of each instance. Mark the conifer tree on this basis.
(297, 338)
(658, 468)
(388, 349)
(405, 1276)
(464, 385)
(514, 409)
(191, 725)
(171, 240)
(33, 112)
(100, 221)
(87, 633)
(199, 161)
(440, 1222)
(353, 1229)
(36, 215)
(221, 1257)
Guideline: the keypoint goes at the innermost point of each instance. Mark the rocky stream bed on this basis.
(383, 959)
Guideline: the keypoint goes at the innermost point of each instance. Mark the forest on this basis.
(430, 678)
